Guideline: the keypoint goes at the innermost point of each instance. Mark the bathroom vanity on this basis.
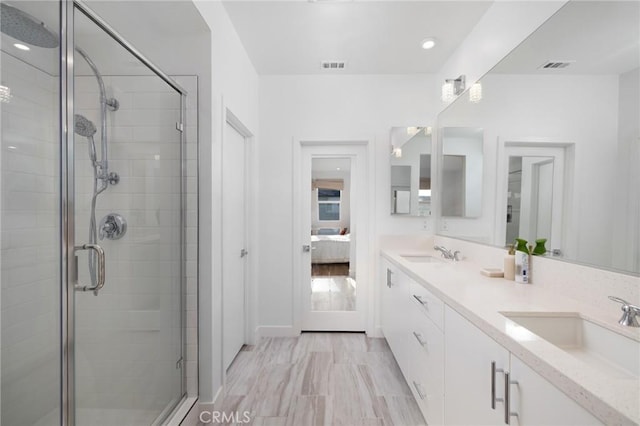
(479, 350)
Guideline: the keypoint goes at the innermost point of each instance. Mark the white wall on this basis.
(558, 109)
(234, 84)
(325, 107)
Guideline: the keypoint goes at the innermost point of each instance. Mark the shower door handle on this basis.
(100, 268)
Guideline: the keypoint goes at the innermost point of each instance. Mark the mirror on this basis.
(561, 140)
(411, 171)
(461, 172)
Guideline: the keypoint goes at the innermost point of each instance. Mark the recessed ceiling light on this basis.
(21, 46)
(337, 168)
(428, 43)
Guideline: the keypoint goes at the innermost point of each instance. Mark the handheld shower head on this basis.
(84, 126)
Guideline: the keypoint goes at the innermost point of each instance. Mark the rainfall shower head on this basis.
(26, 28)
(84, 126)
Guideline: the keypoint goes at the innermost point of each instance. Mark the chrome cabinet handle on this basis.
(424, 303)
(507, 399)
(389, 274)
(418, 337)
(418, 389)
(494, 370)
(101, 268)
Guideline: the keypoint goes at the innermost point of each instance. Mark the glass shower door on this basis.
(30, 260)
(128, 232)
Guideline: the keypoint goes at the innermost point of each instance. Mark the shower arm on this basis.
(104, 163)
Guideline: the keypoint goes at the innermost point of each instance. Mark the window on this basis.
(329, 204)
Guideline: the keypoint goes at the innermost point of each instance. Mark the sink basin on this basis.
(604, 349)
(419, 258)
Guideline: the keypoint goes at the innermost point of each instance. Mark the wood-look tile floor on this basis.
(333, 294)
(319, 379)
(325, 269)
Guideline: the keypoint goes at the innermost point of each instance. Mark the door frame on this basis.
(230, 118)
(543, 147)
(364, 237)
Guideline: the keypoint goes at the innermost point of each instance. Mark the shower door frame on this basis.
(67, 206)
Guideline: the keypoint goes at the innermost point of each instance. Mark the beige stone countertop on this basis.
(614, 399)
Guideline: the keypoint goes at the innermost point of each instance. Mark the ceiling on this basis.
(373, 37)
(602, 37)
(336, 166)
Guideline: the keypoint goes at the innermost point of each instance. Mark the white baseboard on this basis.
(377, 332)
(275, 331)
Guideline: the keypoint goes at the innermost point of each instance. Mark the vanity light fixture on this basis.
(21, 46)
(428, 43)
(412, 131)
(5, 94)
(452, 88)
(475, 93)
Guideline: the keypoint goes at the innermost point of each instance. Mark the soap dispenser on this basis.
(522, 261)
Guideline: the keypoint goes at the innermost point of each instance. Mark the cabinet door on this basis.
(468, 379)
(537, 402)
(395, 300)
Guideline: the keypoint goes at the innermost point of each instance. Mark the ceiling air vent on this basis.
(333, 65)
(550, 65)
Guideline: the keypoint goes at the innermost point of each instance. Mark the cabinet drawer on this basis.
(431, 406)
(428, 304)
(426, 354)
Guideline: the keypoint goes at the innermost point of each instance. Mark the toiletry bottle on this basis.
(510, 263)
(522, 262)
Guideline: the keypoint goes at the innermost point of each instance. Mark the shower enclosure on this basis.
(93, 223)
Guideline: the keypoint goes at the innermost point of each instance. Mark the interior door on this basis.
(234, 251)
(332, 268)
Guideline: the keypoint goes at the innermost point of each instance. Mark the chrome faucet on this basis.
(447, 253)
(629, 313)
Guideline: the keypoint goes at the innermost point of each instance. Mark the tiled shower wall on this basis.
(30, 301)
(134, 372)
(128, 336)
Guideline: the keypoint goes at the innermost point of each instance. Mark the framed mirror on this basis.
(410, 191)
(561, 140)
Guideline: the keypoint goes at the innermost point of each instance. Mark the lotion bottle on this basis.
(522, 262)
(510, 263)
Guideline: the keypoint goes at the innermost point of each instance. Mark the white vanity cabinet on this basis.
(412, 322)
(468, 374)
(426, 359)
(395, 303)
(475, 386)
(538, 402)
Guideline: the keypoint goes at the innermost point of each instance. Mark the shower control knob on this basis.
(113, 178)
(112, 227)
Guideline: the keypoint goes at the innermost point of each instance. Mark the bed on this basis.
(330, 248)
